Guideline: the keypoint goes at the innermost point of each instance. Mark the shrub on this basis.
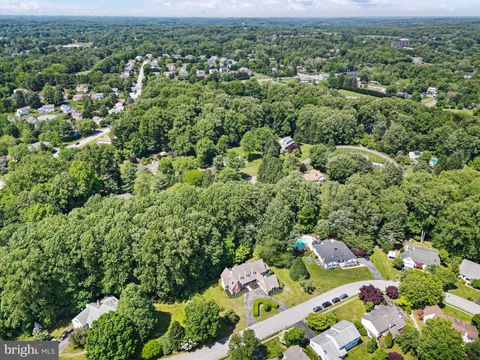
(371, 345)
(398, 263)
(307, 286)
(320, 322)
(379, 354)
(371, 293)
(298, 270)
(360, 328)
(394, 356)
(167, 346)
(392, 292)
(267, 303)
(231, 318)
(152, 350)
(389, 340)
(293, 336)
(476, 321)
(175, 334)
(78, 337)
(420, 314)
(369, 306)
(475, 283)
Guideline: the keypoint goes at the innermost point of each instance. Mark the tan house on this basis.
(469, 332)
(247, 276)
(314, 176)
(82, 88)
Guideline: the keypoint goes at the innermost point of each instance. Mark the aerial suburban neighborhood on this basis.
(255, 185)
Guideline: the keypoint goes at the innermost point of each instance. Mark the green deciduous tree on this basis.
(298, 270)
(439, 341)
(202, 320)
(242, 347)
(112, 336)
(421, 288)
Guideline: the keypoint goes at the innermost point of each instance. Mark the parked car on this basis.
(317, 308)
(336, 300)
(326, 304)
(343, 296)
(367, 258)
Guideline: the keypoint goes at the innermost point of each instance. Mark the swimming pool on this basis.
(304, 240)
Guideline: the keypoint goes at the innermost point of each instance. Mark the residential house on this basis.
(314, 176)
(468, 331)
(23, 111)
(469, 270)
(307, 78)
(246, 71)
(78, 97)
(37, 146)
(97, 119)
(383, 319)
(295, 353)
(392, 254)
(415, 257)
(171, 67)
(333, 253)
(248, 275)
(94, 310)
(334, 343)
(65, 108)
(183, 72)
(47, 117)
(76, 115)
(414, 156)
(104, 140)
(115, 91)
(82, 88)
(432, 91)
(287, 144)
(201, 73)
(45, 109)
(212, 71)
(97, 96)
(402, 43)
(300, 68)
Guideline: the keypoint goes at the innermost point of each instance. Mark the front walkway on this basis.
(248, 304)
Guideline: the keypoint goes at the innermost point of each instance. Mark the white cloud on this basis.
(18, 5)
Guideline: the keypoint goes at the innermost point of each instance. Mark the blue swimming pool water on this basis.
(301, 243)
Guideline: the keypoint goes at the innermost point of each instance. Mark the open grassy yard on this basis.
(384, 265)
(371, 157)
(352, 94)
(272, 348)
(71, 352)
(306, 148)
(466, 292)
(457, 313)
(351, 310)
(360, 351)
(323, 280)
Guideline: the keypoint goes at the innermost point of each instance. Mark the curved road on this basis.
(373, 152)
(281, 321)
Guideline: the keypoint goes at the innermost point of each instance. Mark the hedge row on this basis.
(267, 305)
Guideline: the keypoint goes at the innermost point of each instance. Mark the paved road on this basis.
(84, 141)
(139, 87)
(373, 152)
(281, 321)
(376, 274)
(461, 303)
(249, 300)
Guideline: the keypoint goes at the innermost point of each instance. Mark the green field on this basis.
(457, 313)
(371, 157)
(383, 265)
(466, 292)
(352, 310)
(323, 280)
(349, 93)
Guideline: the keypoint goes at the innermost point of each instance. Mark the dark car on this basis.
(317, 308)
(336, 300)
(367, 258)
(326, 304)
(77, 143)
(343, 296)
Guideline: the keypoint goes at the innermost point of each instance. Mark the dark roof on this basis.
(333, 251)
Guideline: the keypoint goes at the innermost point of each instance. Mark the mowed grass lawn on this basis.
(352, 310)
(457, 313)
(371, 157)
(323, 280)
(176, 311)
(466, 292)
(384, 265)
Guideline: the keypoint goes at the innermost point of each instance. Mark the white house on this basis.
(419, 257)
(333, 253)
(414, 156)
(469, 270)
(334, 343)
(65, 108)
(45, 109)
(94, 310)
(432, 91)
(383, 319)
(23, 111)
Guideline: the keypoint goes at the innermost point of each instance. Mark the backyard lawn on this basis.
(352, 310)
(457, 313)
(384, 265)
(323, 280)
(371, 157)
(465, 291)
(352, 94)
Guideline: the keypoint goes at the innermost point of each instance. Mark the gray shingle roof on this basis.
(469, 269)
(421, 255)
(386, 318)
(295, 353)
(94, 310)
(334, 339)
(333, 251)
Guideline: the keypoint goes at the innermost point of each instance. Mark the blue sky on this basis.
(243, 8)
